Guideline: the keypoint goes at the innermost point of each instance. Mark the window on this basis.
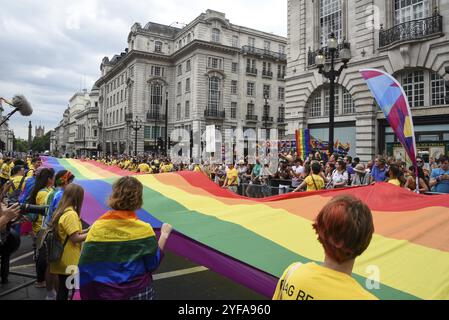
(250, 64)
(155, 99)
(188, 85)
(235, 41)
(180, 70)
(179, 90)
(215, 35)
(438, 89)
(250, 90)
(215, 63)
(267, 45)
(233, 110)
(281, 49)
(413, 84)
(315, 107)
(233, 87)
(250, 109)
(178, 112)
(266, 68)
(251, 42)
(282, 112)
(234, 67)
(187, 110)
(281, 71)
(281, 93)
(327, 101)
(188, 65)
(157, 71)
(348, 103)
(407, 10)
(267, 90)
(331, 20)
(121, 95)
(214, 93)
(158, 47)
(189, 37)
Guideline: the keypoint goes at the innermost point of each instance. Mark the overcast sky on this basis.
(51, 48)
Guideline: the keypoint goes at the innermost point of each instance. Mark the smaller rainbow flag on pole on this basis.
(303, 142)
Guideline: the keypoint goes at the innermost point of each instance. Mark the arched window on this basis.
(215, 35)
(319, 103)
(214, 93)
(189, 37)
(158, 46)
(155, 98)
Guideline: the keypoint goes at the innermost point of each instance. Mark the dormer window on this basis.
(215, 35)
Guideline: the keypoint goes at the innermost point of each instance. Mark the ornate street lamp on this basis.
(136, 126)
(332, 75)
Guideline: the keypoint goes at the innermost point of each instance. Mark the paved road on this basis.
(176, 279)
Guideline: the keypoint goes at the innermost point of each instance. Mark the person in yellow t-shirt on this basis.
(165, 167)
(35, 164)
(314, 181)
(393, 174)
(348, 222)
(66, 220)
(5, 171)
(144, 168)
(231, 180)
(17, 174)
(45, 179)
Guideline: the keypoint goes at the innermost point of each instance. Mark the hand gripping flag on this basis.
(393, 102)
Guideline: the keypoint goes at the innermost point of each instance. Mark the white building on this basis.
(209, 72)
(6, 135)
(408, 39)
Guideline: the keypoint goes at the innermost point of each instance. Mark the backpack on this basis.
(55, 248)
(15, 195)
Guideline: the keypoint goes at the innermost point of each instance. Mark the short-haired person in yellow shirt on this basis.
(166, 167)
(314, 181)
(17, 178)
(5, 171)
(344, 228)
(231, 180)
(144, 168)
(66, 220)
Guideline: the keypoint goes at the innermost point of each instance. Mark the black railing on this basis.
(312, 54)
(251, 117)
(281, 120)
(411, 30)
(264, 53)
(216, 114)
(281, 76)
(267, 74)
(154, 115)
(267, 119)
(252, 71)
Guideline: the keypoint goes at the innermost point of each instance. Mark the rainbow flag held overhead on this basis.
(303, 142)
(252, 241)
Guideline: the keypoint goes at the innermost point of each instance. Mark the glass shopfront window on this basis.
(345, 135)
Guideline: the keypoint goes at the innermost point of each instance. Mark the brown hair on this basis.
(344, 228)
(126, 194)
(73, 196)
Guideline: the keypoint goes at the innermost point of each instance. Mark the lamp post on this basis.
(136, 126)
(166, 147)
(332, 74)
(266, 114)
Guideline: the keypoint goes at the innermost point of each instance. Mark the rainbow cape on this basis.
(252, 241)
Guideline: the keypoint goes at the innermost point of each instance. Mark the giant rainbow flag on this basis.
(252, 241)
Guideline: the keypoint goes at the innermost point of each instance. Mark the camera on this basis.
(26, 208)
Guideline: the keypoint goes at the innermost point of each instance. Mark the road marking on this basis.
(25, 266)
(23, 256)
(178, 273)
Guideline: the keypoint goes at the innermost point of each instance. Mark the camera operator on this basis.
(9, 238)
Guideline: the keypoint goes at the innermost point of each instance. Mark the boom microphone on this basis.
(21, 103)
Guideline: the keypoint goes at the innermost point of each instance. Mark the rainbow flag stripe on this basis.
(252, 241)
(303, 142)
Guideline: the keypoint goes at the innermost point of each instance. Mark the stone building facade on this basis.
(408, 39)
(209, 72)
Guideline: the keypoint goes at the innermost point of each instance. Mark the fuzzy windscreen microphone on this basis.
(21, 103)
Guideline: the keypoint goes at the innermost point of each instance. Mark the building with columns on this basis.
(408, 39)
(209, 72)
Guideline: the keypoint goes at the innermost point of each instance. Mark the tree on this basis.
(20, 145)
(41, 144)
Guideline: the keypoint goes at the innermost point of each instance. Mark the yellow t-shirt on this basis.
(144, 168)
(232, 176)
(319, 182)
(313, 282)
(197, 168)
(16, 181)
(395, 182)
(165, 168)
(68, 224)
(31, 171)
(41, 200)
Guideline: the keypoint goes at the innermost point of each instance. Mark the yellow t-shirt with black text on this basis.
(314, 282)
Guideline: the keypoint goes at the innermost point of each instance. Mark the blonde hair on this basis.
(73, 196)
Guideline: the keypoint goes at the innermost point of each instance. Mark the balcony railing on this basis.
(281, 120)
(411, 30)
(267, 74)
(153, 115)
(251, 71)
(267, 119)
(214, 114)
(312, 54)
(250, 117)
(264, 53)
(281, 76)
